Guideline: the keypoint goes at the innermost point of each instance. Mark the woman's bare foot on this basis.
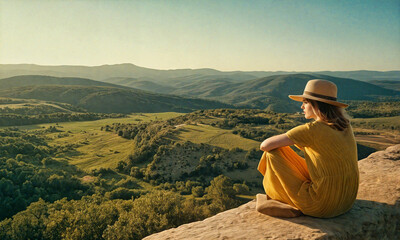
(274, 208)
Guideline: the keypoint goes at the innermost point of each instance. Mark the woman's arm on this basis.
(275, 142)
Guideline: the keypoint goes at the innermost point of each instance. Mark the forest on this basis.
(45, 197)
(50, 199)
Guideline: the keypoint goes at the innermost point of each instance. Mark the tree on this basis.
(221, 193)
(198, 191)
(150, 213)
(30, 224)
(241, 188)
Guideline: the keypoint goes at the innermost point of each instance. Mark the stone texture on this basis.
(375, 214)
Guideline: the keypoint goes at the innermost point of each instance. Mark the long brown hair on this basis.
(334, 116)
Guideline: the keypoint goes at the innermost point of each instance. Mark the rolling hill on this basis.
(39, 80)
(389, 84)
(283, 85)
(34, 106)
(272, 92)
(96, 96)
(276, 89)
(142, 83)
(269, 93)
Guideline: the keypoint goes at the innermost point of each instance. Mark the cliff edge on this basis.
(375, 214)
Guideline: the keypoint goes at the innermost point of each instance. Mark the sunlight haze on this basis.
(224, 35)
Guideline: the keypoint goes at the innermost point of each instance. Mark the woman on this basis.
(323, 184)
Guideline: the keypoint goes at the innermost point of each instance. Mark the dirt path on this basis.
(382, 141)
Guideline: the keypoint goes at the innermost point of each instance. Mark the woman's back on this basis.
(328, 152)
(331, 158)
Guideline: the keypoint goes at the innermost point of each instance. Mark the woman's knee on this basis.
(274, 154)
(275, 151)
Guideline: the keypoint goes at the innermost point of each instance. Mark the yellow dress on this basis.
(325, 182)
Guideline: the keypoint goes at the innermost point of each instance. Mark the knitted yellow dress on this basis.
(325, 183)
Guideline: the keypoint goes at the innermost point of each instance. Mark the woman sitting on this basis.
(324, 183)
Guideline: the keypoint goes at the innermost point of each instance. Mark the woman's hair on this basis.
(336, 117)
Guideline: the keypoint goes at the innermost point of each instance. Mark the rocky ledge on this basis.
(375, 214)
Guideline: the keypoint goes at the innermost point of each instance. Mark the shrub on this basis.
(241, 188)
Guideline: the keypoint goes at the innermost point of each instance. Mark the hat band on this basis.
(320, 96)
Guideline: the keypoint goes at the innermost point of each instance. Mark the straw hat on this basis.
(320, 90)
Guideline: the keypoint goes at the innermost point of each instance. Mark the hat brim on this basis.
(300, 98)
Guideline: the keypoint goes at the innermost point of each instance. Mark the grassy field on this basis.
(97, 149)
(75, 127)
(215, 136)
(30, 104)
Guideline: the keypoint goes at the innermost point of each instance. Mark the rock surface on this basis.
(375, 214)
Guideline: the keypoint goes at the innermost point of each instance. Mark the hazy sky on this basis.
(303, 35)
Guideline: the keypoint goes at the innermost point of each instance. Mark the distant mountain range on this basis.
(264, 93)
(105, 72)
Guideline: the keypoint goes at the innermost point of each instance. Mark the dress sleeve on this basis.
(301, 135)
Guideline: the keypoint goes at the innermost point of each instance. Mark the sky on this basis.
(268, 35)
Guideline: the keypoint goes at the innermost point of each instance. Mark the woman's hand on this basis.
(275, 142)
